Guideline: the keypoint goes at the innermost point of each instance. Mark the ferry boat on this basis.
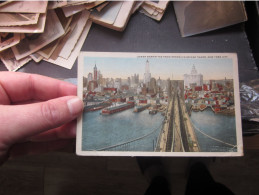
(97, 106)
(140, 108)
(117, 108)
(152, 112)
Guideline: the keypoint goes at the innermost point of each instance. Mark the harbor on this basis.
(158, 115)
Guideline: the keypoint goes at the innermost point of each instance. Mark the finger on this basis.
(19, 87)
(22, 121)
(30, 148)
(67, 131)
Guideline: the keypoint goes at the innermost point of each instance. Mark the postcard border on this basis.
(239, 139)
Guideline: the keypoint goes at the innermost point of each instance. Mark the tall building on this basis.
(90, 77)
(152, 85)
(95, 73)
(193, 79)
(147, 74)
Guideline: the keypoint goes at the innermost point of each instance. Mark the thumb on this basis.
(22, 121)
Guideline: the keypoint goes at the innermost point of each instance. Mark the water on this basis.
(221, 127)
(101, 132)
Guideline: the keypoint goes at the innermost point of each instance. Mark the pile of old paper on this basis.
(55, 31)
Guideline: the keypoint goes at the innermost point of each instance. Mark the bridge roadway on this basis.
(177, 133)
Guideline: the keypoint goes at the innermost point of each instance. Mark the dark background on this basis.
(65, 173)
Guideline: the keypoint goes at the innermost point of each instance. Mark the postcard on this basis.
(137, 5)
(155, 15)
(108, 14)
(57, 4)
(160, 5)
(8, 40)
(68, 63)
(2, 3)
(100, 7)
(48, 50)
(36, 57)
(159, 104)
(123, 16)
(196, 17)
(25, 7)
(78, 22)
(75, 35)
(18, 19)
(32, 43)
(71, 10)
(7, 57)
(32, 28)
(97, 4)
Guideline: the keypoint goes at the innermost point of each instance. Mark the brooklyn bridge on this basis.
(177, 133)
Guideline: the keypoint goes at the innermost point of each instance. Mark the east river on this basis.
(102, 132)
(220, 127)
(129, 131)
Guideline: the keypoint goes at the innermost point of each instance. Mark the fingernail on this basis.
(75, 106)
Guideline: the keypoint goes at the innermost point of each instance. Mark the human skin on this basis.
(37, 114)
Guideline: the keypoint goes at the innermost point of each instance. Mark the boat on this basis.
(117, 108)
(152, 112)
(195, 108)
(97, 106)
(140, 108)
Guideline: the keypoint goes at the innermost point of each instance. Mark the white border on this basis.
(232, 56)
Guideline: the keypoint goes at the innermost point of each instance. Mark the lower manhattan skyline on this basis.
(123, 68)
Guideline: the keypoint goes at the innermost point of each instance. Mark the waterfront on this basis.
(218, 126)
(100, 132)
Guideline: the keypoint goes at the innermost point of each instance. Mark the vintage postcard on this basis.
(137, 5)
(32, 43)
(100, 7)
(196, 17)
(18, 19)
(57, 4)
(75, 35)
(159, 104)
(75, 25)
(8, 40)
(7, 57)
(71, 10)
(68, 63)
(109, 14)
(32, 28)
(25, 7)
(159, 5)
(3, 3)
(36, 57)
(96, 4)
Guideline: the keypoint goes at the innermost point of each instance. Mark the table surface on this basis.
(144, 34)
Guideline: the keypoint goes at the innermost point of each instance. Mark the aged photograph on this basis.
(154, 104)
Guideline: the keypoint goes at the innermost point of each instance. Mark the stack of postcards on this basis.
(55, 31)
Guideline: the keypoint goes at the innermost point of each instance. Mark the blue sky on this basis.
(115, 67)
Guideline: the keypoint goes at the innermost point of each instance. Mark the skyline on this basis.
(112, 67)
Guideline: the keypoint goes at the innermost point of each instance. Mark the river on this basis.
(220, 127)
(102, 132)
(113, 132)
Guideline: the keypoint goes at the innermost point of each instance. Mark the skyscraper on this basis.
(147, 74)
(95, 73)
(193, 79)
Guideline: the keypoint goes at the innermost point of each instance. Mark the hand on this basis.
(37, 114)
